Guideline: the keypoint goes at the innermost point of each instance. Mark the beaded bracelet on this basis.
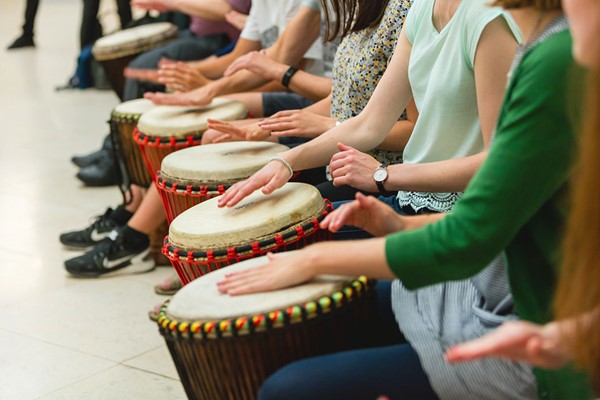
(287, 165)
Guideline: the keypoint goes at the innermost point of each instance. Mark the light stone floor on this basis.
(60, 337)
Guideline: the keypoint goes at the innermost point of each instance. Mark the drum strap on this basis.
(123, 179)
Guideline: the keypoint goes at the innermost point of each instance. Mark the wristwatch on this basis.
(380, 176)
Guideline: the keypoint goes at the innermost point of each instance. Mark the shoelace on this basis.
(102, 222)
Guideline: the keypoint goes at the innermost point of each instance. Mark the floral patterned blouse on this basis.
(361, 59)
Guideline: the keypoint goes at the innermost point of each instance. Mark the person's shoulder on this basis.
(550, 58)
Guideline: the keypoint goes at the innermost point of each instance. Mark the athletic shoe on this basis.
(93, 234)
(111, 256)
(90, 159)
(103, 173)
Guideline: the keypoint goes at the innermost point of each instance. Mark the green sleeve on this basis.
(529, 161)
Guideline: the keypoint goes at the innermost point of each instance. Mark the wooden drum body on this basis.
(166, 129)
(205, 237)
(116, 51)
(123, 121)
(225, 347)
(191, 176)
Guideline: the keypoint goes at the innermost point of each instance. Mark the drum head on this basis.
(206, 226)
(201, 301)
(133, 41)
(169, 121)
(221, 163)
(134, 107)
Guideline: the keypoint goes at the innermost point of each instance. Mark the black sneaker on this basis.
(89, 159)
(101, 174)
(93, 234)
(111, 257)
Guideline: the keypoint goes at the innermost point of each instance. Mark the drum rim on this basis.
(123, 117)
(285, 237)
(180, 188)
(158, 141)
(135, 47)
(263, 322)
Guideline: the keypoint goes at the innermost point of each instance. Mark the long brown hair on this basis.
(579, 284)
(345, 16)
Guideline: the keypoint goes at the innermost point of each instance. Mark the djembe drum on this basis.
(123, 121)
(116, 51)
(166, 129)
(224, 346)
(191, 176)
(206, 237)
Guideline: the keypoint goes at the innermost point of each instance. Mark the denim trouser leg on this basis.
(392, 370)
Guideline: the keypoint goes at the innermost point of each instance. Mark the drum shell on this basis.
(189, 267)
(235, 367)
(154, 149)
(114, 72)
(178, 199)
(123, 127)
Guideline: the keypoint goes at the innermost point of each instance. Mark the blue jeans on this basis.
(393, 370)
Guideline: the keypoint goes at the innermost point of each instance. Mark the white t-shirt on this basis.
(268, 19)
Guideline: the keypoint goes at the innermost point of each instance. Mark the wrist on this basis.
(277, 71)
(287, 76)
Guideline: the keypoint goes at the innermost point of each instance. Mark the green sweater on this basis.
(514, 203)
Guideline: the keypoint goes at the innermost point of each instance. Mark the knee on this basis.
(147, 60)
(283, 384)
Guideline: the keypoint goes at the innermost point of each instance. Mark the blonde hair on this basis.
(578, 289)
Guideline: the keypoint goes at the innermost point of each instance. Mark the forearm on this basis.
(397, 138)
(359, 132)
(311, 86)
(321, 107)
(355, 258)
(442, 176)
(213, 10)
(213, 68)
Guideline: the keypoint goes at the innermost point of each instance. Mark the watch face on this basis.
(380, 174)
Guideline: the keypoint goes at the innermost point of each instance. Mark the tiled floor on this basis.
(60, 337)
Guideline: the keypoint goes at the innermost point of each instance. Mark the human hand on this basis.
(270, 177)
(181, 77)
(236, 18)
(148, 75)
(282, 271)
(299, 123)
(540, 346)
(196, 97)
(258, 63)
(367, 213)
(243, 130)
(353, 168)
(158, 5)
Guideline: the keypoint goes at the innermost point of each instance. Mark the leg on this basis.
(150, 214)
(30, 12)
(124, 10)
(394, 371)
(90, 29)
(26, 38)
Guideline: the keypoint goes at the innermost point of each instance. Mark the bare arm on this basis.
(366, 131)
(290, 47)
(213, 10)
(398, 136)
(495, 52)
(214, 68)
